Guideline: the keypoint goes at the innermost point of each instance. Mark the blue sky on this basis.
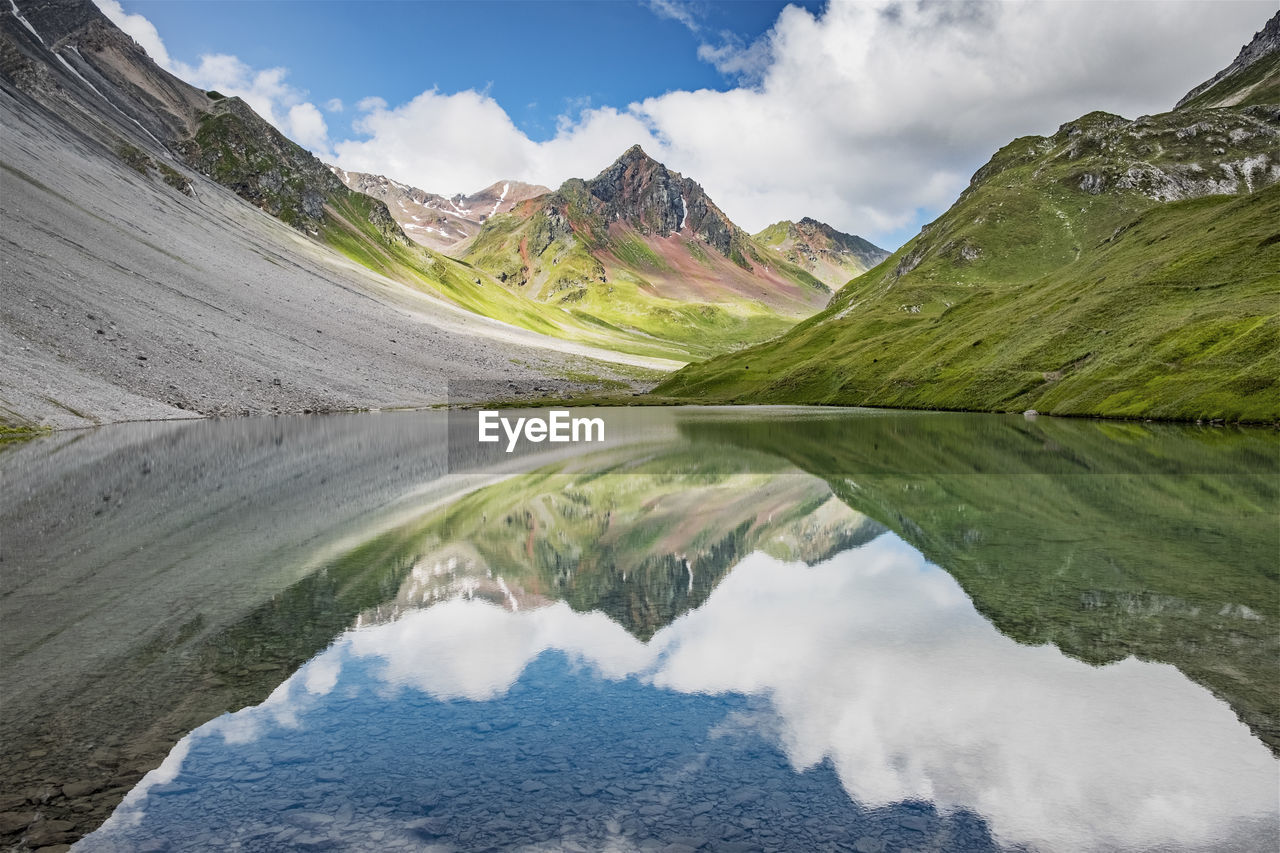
(539, 60)
(870, 115)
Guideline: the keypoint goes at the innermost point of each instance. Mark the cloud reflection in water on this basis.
(874, 661)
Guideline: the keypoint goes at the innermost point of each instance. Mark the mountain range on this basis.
(104, 142)
(1117, 267)
(435, 221)
(638, 249)
(829, 255)
(169, 253)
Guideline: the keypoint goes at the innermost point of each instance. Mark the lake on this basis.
(719, 629)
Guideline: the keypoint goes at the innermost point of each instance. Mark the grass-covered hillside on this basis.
(832, 256)
(1117, 268)
(237, 148)
(641, 251)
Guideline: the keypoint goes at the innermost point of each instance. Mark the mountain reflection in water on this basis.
(598, 655)
(769, 629)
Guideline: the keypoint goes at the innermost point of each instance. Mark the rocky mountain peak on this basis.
(833, 256)
(643, 193)
(53, 20)
(432, 220)
(636, 154)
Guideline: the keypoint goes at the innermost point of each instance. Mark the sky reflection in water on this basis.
(861, 702)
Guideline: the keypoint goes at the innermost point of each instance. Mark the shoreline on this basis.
(11, 433)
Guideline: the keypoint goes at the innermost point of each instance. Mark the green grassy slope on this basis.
(239, 150)
(1094, 272)
(1257, 84)
(1252, 78)
(1105, 539)
(555, 268)
(831, 256)
(677, 290)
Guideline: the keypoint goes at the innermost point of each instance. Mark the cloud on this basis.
(138, 28)
(464, 141)
(874, 662)
(745, 62)
(679, 11)
(334, 105)
(266, 90)
(870, 116)
(307, 127)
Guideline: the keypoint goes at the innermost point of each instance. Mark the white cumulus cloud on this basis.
(307, 126)
(139, 28)
(868, 115)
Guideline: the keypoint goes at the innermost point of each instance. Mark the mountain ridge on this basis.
(834, 257)
(1124, 268)
(435, 221)
(1253, 77)
(150, 270)
(644, 248)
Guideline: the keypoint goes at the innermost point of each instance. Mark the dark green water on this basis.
(756, 629)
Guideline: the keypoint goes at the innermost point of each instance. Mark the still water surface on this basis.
(762, 629)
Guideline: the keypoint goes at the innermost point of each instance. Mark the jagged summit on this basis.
(635, 152)
(641, 192)
(642, 246)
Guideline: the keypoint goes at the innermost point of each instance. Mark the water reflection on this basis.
(811, 630)
(858, 701)
(1105, 539)
(870, 672)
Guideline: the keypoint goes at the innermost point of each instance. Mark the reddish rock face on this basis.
(641, 192)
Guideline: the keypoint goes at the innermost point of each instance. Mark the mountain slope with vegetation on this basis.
(830, 255)
(643, 250)
(168, 254)
(637, 262)
(1116, 268)
(1252, 78)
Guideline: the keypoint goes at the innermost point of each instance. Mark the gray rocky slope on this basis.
(134, 287)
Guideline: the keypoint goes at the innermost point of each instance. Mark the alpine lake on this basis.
(719, 629)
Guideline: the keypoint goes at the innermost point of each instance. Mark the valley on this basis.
(1118, 267)
(139, 284)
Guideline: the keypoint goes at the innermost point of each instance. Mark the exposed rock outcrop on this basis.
(1231, 85)
(833, 256)
(640, 191)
